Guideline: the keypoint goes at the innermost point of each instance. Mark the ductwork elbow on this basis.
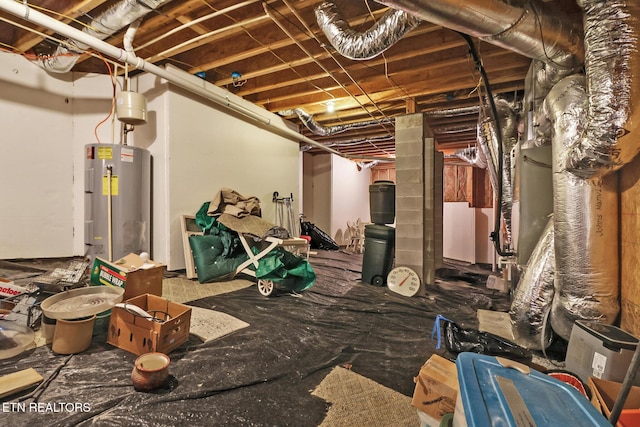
(473, 156)
(105, 25)
(612, 67)
(361, 46)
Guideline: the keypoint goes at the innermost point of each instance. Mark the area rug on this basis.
(209, 325)
(358, 401)
(181, 290)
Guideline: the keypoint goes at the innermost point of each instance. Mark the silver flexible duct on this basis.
(509, 122)
(452, 129)
(108, 23)
(613, 80)
(586, 221)
(318, 129)
(356, 141)
(538, 82)
(472, 155)
(552, 38)
(361, 46)
(489, 147)
(489, 143)
(534, 295)
(453, 112)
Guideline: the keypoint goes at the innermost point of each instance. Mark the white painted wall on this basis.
(459, 231)
(485, 251)
(209, 150)
(321, 198)
(196, 149)
(349, 195)
(307, 186)
(466, 233)
(36, 161)
(334, 193)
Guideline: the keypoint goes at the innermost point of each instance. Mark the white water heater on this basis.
(117, 200)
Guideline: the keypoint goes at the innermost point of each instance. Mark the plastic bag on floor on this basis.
(458, 340)
(319, 239)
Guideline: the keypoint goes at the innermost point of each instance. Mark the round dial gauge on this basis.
(404, 281)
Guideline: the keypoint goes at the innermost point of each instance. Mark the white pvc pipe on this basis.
(28, 14)
(197, 21)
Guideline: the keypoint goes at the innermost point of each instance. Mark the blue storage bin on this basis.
(495, 392)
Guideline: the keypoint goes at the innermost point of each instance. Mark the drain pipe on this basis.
(28, 14)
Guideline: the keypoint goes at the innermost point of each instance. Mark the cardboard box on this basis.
(606, 392)
(436, 389)
(139, 335)
(131, 273)
(497, 283)
(9, 289)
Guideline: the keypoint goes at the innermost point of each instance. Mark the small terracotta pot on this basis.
(150, 371)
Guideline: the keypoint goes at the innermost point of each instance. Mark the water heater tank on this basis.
(126, 195)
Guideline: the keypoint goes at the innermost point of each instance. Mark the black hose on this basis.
(495, 234)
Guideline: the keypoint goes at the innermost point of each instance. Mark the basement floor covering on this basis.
(341, 353)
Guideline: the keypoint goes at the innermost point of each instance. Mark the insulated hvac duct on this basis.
(549, 37)
(489, 146)
(538, 82)
(318, 129)
(488, 141)
(118, 16)
(586, 221)
(534, 294)
(361, 46)
(472, 155)
(453, 112)
(508, 120)
(612, 66)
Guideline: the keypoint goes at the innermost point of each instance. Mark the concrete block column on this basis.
(418, 198)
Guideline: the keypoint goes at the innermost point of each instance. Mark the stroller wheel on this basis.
(266, 287)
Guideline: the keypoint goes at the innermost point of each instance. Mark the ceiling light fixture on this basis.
(330, 107)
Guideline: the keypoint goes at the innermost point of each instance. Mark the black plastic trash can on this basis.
(379, 244)
(382, 202)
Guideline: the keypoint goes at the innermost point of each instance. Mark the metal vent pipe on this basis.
(118, 16)
(549, 37)
(369, 44)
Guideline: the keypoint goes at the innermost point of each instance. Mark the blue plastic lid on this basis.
(493, 395)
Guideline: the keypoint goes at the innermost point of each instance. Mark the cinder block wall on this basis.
(418, 198)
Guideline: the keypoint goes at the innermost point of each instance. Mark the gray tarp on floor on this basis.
(261, 375)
